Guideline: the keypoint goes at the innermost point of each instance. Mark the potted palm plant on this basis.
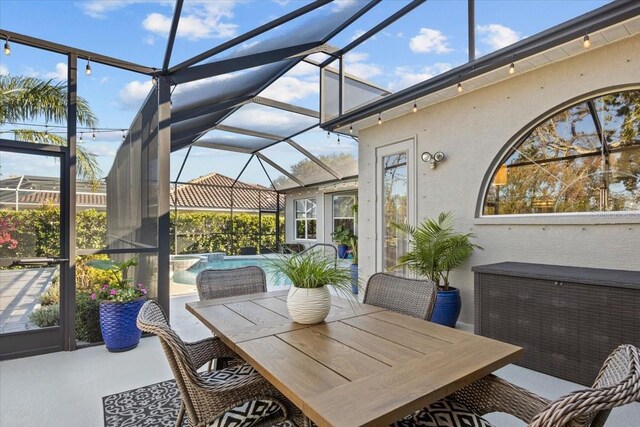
(342, 235)
(436, 249)
(310, 274)
(120, 302)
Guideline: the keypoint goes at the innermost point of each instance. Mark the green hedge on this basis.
(37, 231)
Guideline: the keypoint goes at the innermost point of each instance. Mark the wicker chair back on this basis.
(213, 284)
(407, 296)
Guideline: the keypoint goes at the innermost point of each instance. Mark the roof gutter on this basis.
(573, 29)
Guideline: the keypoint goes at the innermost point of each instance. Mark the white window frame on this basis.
(305, 218)
(333, 212)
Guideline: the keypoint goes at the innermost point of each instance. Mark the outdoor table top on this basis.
(364, 365)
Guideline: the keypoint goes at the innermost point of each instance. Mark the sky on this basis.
(428, 41)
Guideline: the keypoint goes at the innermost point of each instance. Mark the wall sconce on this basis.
(432, 159)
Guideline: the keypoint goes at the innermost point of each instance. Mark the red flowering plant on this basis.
(6, 227)
(122, 289)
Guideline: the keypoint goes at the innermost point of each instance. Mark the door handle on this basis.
(38, 261)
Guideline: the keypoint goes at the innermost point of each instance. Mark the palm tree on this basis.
(29, 98)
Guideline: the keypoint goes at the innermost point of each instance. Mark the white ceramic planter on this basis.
(308, 306)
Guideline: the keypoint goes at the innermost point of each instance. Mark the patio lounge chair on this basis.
(237, 395)
(407, 296)
(617, 384)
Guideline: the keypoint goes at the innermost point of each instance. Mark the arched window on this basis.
(583, 159)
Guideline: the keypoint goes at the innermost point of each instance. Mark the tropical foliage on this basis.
(436, 248)
(26, 99)
(124, 290)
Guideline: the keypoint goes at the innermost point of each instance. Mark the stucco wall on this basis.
(472, 129)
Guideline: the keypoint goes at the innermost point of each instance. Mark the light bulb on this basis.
(7, 48)
(338, 139)
(415, 107)
(512, 68)
(123, 137)
(586, 42)
(459, 87)
(379, 118)
(94, 135)
(87, 69)
(80, 136)
(328, 134)
(351, 129)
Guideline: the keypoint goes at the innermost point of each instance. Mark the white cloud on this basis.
(200, 20)
(355, 64)
(407, 76)
(133, 93)
(60, 73)
(287, 89)
(498, 36)
(281, 2)
(359, 33)
(430, 40)
(4, 71)
(303, 69)
(101, 8)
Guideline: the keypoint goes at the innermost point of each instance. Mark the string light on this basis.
(80, 136)
(123, 137)
(338, 139)
(459, 87)
(379, 118)
(7, 48)
(94, 135)
(328, 134)
(46, 130)
(87, 69)
(351, 129)
(512, 68)
(586, 42)
(415, 106)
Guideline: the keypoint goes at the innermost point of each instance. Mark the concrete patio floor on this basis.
(66, 388)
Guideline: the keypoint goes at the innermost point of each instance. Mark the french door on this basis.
(34, 268)
(395, 202)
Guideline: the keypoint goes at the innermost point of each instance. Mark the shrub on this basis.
(51, 295)
(90, 279)
(46, 315)
(87, 319)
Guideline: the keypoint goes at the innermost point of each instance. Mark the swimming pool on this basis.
(275, 281)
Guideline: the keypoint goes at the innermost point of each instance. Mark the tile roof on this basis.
(211, 191)
(214, 191)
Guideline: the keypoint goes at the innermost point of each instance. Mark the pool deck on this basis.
(19, 292)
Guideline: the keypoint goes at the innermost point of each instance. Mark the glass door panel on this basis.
(395, 203)
(29, 251)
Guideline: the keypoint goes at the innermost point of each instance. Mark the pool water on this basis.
(275, 280)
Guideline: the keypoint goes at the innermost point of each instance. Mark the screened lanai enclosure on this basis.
(226, 103)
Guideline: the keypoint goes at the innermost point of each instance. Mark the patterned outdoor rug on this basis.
(152, 405)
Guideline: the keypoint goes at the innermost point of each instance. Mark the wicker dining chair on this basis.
(230, 283)
(212, 284)
(617, 384)
(237, 395)
(407, 296)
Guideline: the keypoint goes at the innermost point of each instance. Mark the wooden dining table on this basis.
(363, 366)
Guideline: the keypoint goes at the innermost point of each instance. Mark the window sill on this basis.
(587, 218)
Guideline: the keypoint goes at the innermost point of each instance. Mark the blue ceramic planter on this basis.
(447, 308)
(118, 324)
(354, 278)
(342, 251)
